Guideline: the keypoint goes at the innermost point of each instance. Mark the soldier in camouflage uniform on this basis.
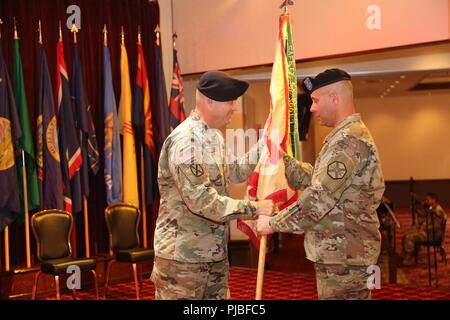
(337, 207)
(436, 216)
(191, 236)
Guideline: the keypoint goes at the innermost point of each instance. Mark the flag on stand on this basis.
(113, 156)
(26, 141)
(162, 107)
(176, 104)
(84, 123)
(142, 121)
(10, 133)
(268, 180)
(69, 146)
(130, 181)
(48, 159)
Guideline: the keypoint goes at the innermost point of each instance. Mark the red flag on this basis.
(268, 180)
(176, 104)
(69, 146)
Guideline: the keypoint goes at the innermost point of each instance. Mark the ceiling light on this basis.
(402, 77)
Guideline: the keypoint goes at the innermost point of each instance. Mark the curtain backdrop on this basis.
(94, 14)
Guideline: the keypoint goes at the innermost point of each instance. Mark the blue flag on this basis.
(48, 159)
(113, 153)
(10, 133)
(162, 105)
(84, 123)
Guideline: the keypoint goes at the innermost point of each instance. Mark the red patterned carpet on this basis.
(277, 286)
(412, 282)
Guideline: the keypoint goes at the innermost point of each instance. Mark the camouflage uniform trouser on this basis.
(341, 282)
(412, 235)
(176, 280)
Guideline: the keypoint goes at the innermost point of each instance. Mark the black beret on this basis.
(323, 79)
(219, 86)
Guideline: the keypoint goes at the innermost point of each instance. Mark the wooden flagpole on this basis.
(25, 190)
(261, 264)
(6, 235)
(144, 205)
(6, 230)
(25, 207)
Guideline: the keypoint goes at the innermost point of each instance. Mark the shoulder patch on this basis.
(197, 170)
(336, 170)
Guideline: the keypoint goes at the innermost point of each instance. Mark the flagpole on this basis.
(6, 230)
(75, 30)
(25, 189)
(261, 264)
(144, 206)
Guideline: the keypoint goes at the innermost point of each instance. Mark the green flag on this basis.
(292, 84)
(26, 141)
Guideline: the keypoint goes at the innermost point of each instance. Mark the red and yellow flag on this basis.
(280, 133)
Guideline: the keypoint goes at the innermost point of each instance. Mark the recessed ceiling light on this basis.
(388, 90)
(392, 86)
(397, 82)
(402, 77)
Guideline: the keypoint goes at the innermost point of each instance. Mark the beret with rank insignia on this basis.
(323, 79)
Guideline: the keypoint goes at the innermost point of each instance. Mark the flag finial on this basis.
(40, 31)
(74, 30)
(174, 38)
(123, 36)
(139, 35)
(16, 36)
(105, 35)
(60, 31)
(157, 31)
(285, 5)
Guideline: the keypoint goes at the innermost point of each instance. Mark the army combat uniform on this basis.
(337, 210)
(191, 233)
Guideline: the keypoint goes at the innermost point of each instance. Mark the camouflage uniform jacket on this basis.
(337, 208)
(195, 207)
(434, 222)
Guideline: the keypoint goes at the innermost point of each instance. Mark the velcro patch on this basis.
(197, 170)
(336, 170)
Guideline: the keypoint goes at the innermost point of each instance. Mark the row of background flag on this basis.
(66, 145)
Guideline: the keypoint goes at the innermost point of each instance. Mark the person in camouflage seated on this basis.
(340, 194)
(432, 211)
(191, 235)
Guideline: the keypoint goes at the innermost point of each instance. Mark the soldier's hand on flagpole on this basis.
(264, 208)
(263, 227)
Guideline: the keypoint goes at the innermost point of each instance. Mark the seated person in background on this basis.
(431, 211)
(387, 223)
